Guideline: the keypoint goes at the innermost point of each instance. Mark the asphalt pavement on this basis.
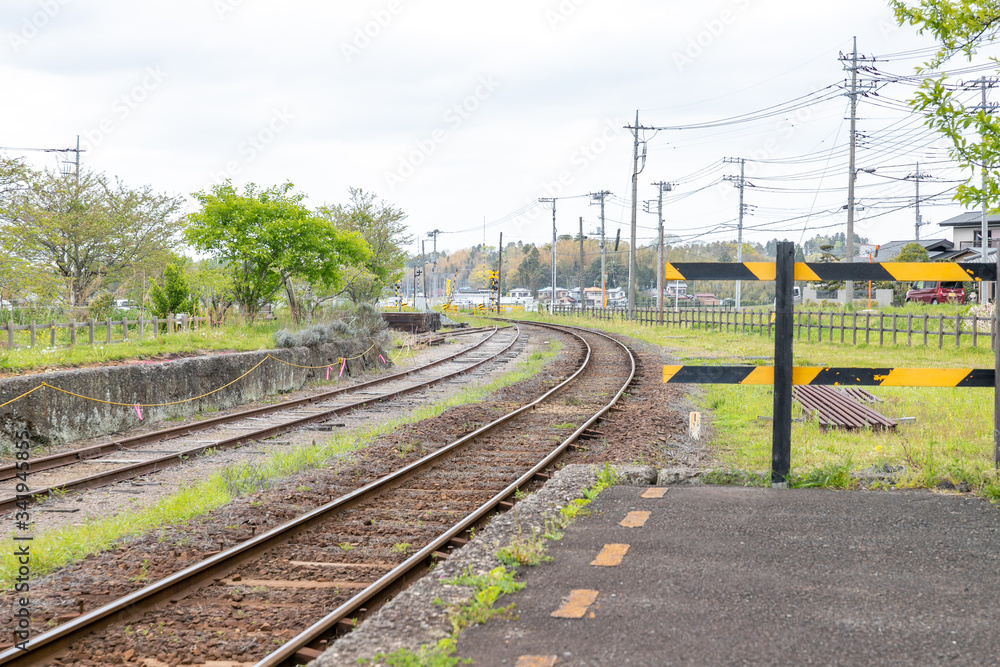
(712, 575)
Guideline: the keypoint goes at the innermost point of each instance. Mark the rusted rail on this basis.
(217, 566)
(305, 646)
(155, 465)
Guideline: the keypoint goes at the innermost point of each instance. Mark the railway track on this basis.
(250, 426)
(350, 554)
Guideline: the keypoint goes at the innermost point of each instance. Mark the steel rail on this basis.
(193, 577)
(297, 650)
(441, 334)
(155, 465)
(8, 471)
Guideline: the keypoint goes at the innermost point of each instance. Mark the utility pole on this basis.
(741, 184)
(919, 222)
(76, 150)
(582, 300)
(77, 160)
(434, 265)
(552, 294)
(500, 274)
(423, 271)
(599, 197)
(636, 170)
(852, 171)
(416, 272)
(661, 187)
(984, 247)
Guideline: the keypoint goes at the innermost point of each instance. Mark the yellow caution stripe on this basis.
(888, 271)
(820, 375)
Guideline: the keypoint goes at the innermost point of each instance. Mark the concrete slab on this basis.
(724, 575)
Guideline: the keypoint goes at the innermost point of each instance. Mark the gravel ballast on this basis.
(418, 615)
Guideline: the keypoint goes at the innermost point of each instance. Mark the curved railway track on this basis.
(288, 415)
(346, 555)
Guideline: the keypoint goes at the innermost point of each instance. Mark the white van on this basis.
(796, 297)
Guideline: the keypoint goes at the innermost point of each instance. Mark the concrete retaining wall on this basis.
(53, 417)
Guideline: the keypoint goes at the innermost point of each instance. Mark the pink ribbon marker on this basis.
(342, 367)
(138, 411)
(383, 360)
(327, 372)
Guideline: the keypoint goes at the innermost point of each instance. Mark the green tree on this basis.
(961, 27)
(270, 240)
(87, 229)
(529, 271)
(174, 296)
(381, 225)
(212, 286)
(913, 252)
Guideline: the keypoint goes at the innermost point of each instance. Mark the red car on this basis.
(928, 291)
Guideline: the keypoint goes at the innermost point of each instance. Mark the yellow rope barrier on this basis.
(360, 355)
(288, 363)
(340, 360)
(158, 405)
(22, 395)
(186, 400)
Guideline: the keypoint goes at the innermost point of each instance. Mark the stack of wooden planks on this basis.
(841, 407)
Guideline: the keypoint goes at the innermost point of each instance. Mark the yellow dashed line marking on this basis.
(635, 519)
(655, 492)
(537, 661)
(611, 555)
(576, 604)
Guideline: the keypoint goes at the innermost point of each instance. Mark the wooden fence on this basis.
(853, 328)
(92, 332)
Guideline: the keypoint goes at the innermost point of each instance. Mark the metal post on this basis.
(996, 381)
(552, 200)
(984, 245)
(781, 439)
(582, 300)
(499, 273)
(423, 272)
(632, 240)
(739, 236)
(434, 267)
(604, 271)
(662, 187)
(852, 172)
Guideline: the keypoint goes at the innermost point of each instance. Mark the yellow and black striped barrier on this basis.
(821, 375)
(783, 375)
(892, 271)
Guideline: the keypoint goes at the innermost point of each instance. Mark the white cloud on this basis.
(560, 83)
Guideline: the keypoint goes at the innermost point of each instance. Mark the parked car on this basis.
(928, 291)
(796, 297)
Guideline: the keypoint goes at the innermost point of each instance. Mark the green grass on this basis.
(952, 439)
(479, 608)
(59, 548)
(232, 337)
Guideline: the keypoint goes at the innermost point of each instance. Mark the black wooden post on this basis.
(996, 368)
(781, 439)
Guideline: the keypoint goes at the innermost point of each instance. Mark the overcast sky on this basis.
(460, 112)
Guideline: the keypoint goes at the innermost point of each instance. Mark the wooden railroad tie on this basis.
(839, 408)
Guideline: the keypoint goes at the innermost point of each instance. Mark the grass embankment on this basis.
(256, 336)
(951, 440)
(52, 550)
